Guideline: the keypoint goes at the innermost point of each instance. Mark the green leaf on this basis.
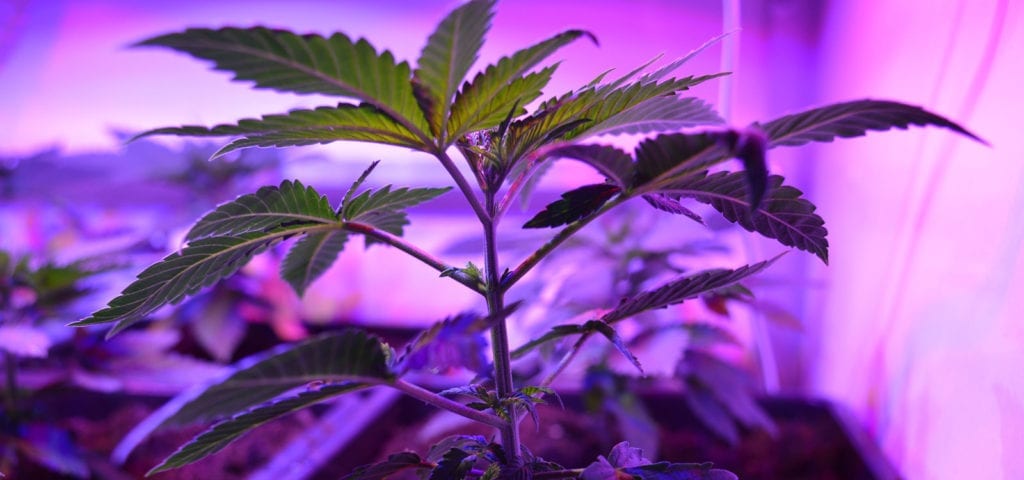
(493, 93)
(556, 332)
(681, 289)
(384, 209)
(657, 114)
(365, 123)
(201, 264)
(311, 257)
(346, 356)
(310, 63)
(221, 435)
(852, 119)
(291, 203)
(783, 215)
(574, 205)
(609, 161)
(666, 157)
(395, 463)
(450, 51)
(679, 471)
(609, 333)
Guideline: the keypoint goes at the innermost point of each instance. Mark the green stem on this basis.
(523, 268)
(499, 336)
(415, 252)
(436, 400)
(464, 186)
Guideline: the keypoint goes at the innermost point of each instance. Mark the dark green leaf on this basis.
(221, 435)
(311, 257)
(670, 204)
(450, 51)
(291, 203)
(558, 331)
(658, 114)
(574, 205)
(784, 215)
(608, 332)
(660, 159)
(609, 161)
(455, 464)
(365, 123)
(200, 264)
(359, 208)
(310, 63)
(749, 146)
(487, 100)
(346, 356)
(395, 463)
(679, 471)
(852, 119)
(470, 443)
(686, 287)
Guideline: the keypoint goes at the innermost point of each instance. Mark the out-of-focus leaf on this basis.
(454, 465)
(783, 215)
(456, 342)
(54, 449)
(24, 341)
(852, 119)
(574, 205)
(730, 387)
(449, 53)
(686, 287)
(221, 435)
(395, 463)
(310, 63)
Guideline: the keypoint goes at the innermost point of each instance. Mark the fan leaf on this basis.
(450, 51)
(384, 209)
(783, 215)
(852, 119)
(658, 114)
(485, 101)
(574, 205)
(346, 356)
(290, 203)
(395, 463)
(284, 61)
(221, 435)
(199, 265)
(365, 123)
(311, 257)
(682, 289)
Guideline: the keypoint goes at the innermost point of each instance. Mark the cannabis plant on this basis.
(492, 137)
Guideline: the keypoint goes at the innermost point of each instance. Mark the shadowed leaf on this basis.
(573, 205)
(658, 114)
(310, 257)
(852, 119)
(346, 356)
(395, 463)
(686, 287)
(609, 161)
(221, 435)
(783, 215)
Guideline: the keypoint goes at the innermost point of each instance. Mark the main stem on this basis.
(499, 334)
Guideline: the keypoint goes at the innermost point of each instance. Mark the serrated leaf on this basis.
(681, 289)
(609, 161)
(310, 63)
(395, 463)
(667, 203)
(291, 203)
(386, 200)
(665, 157)
(346, 356)
(449, 53)
(201, 264)
(221, 435)
(574, 205)
(365, 123)
(852, 119)
(749, 145)
(783, 215)
(556, 332)
(486, 101)
(469, 443)
(310, 257)
(658, 114)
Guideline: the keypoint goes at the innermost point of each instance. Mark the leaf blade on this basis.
(308, 259)
(270, 207)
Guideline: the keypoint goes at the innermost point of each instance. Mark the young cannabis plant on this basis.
(492, 121)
